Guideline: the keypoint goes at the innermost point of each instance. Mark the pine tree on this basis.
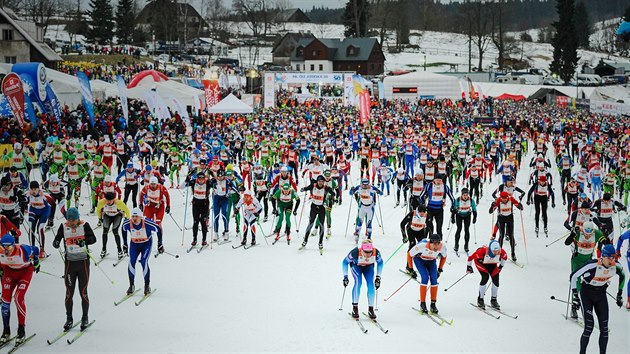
(626, 14)
(583, 26)
(125, 21)
(565, 58)
(355, 18)
(101, 22)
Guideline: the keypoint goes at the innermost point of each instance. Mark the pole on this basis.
(562, 301)
(390, 257)
(262, 231)
(98, 266)
(168, 253)
(458, 280)
(185, 211)
(394, 293)
(558, 239)
(524, 238)
(342, 297)
(475, 232)
(52, 275)
(380, 211)
(449, 232)
(301, 213)
(176, 224)
(348, 219)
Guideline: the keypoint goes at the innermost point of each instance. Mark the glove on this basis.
(377, 284)
(452, 218)
(520, 206)
(576, 300)
(439, 271)
(405, 240)
(126, 249)
(618, 301)
(529, 202)
(474, 221)
(469, 270)
(295, 213)
(500, 267)
(56, 243)
(15, 233)
(81, 243)
(36, 265)
(453, 210)
(553, 205)
(302, 189)
(141, 206)
(345, 281)
(160, 248)
(168, 209)
(617, 256)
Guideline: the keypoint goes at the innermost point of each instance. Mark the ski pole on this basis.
(348, 219)
(262, 231)
(380, 211)
(52, 275)
(301, 213)
(392, 255)
(612, 297)
(168, 253)
(449, 233)
(556, 299)
(457, 281)
(376, 300)
(524, 238)
(98, 266)
(185, 211)
(342, 297)
(475, 232)
(558, 239)
(176, 224)
(394, 293)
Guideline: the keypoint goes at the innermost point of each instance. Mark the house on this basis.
(23, 41)
(607, 68)
(283, 46)
(361, 55)
(207, 45)
(291, 15)
(171, 21)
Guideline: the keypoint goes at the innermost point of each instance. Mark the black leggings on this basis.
(114, 223)
(594, 298)
(200, 214)
(129, 189)
(438, 215)
(466, 221)
(77, 270)
(262, 197)
(540, 204)
(318, 212)
(506, 228)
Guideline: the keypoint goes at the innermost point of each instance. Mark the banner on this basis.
(86, 93)
(348, 94)
(5, 110)
(181, 109)
(212, 92)
(122, 92)
(13, 92)
(269, 90)
(52, 103)
(29, 110)
(35, 81)
(364, 106)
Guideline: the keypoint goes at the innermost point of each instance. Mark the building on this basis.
(207, 45)
(361, 55)
(291, 15)
(171, 21)
(283, 46)
(23, 41)
(607, 68)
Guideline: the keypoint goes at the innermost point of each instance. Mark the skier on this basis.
(220, 201)
(489, 261)
(38, 212)
(542, 192)
(285, 196)
(18, 263)
(155, 200)
(504, 205)
(413, 228)
(365, 196)
(594, 277)
(401, 180)
(416, 184)
(201, 187)
(12, 202)
(251, 210)
(54, 188)
(436, 192)
(624, 236)
(131, 177)
(424, 255)
(76, 235)
(361, 260)
(605, 208)
(142, 230)
(110, 211)
(6, 226)
(464, 206)
(319, 191)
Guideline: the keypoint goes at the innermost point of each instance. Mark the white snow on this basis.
(278, 299)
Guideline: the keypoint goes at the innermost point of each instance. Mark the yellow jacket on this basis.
(118, 208)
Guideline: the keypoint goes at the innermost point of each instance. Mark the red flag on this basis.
(364, 106)
(13, 90)
(212, 91)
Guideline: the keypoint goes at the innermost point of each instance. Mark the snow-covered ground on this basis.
(278, 299)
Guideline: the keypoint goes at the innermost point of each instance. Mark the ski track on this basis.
(276, 299)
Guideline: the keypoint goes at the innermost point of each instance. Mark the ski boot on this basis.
(265, 218)
(546, 231)
(513, 257)
(49, 225)
(288, 237)
(6, 334)
(628, 304)
(536, 230)
(328, 234)
(253, 241)
(215, 236)
(434, 308)
(277, 232)
(68, 325)
(21, 333)
(147, 291)
(204, 243)
(103, 253)
(42, 254)
(494, 303)
(244, 242)
(412, 273)
(480, 303)
(85, 322)
(131, 289)
(397, 203)
(356, 238)
(304, 243)
(92, 211)
(423, 307)
(194, 242)
(321, 247)
(120, 254)
(99, 223)
(226, 236)
(371, 312)
(355, 310)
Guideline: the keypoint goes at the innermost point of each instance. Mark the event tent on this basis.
(231, 104)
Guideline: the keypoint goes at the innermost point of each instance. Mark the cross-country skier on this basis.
(425, 255)
(489, 261)
(362, 259)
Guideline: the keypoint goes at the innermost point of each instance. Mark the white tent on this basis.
(422, 84)
(231, 104)
(166, 89)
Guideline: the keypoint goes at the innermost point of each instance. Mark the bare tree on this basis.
(480, 28)
(41, 11)
(504, 43)
(215, 14)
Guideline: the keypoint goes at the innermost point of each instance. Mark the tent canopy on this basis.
(507, 96)
(231, 104)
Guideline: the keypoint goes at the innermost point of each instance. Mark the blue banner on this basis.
(52, 103)
(29, 110)
(5, 110)
(122, 91)
(86, 92)
(35, 81)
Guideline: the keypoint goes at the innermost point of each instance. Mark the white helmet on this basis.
(153, 180)
(17, 146)
(54, 178)
(108, 178)
(588, 225)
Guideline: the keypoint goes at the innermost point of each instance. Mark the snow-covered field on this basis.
(278, 299)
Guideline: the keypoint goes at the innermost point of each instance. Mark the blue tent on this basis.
(624, 28)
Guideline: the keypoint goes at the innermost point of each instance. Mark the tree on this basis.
(42, 11)
(478, 17)
(125, 21)
(626, 14)
(583, 28)
(355, 18)
(101, 22)
(565, 58)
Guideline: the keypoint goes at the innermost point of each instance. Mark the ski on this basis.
(407, 274)
(191, 248)
(235, 247)
(102, 259)
(78, 335)
(18, 346)
(484, 311)
(503, 313)
(125, 298)
(145, 297)
(202, 248)
(438, 322)
(250, 246)
(448, 322)
(62, 334)
(376, 323)
(7, 342)
(358, 323)
(580, 322)
(119, 260)
(274, 241)
(219, 243)
(520, 265)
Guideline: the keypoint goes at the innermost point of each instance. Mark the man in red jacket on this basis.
(155, 200)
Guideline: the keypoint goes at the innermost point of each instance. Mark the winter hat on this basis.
(72, 214)
(7, 240)
(607, 251)
(493, 248)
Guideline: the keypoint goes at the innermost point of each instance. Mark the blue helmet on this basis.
(494, 248)
(607, 251)
(72, 214)
(7, 240)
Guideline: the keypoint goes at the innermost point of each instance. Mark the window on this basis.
(312, 67)
(10, 60)
(314, 53)
(7, 34)
(297, 67)
(299, 51)
(321, 67)
(351, 51)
